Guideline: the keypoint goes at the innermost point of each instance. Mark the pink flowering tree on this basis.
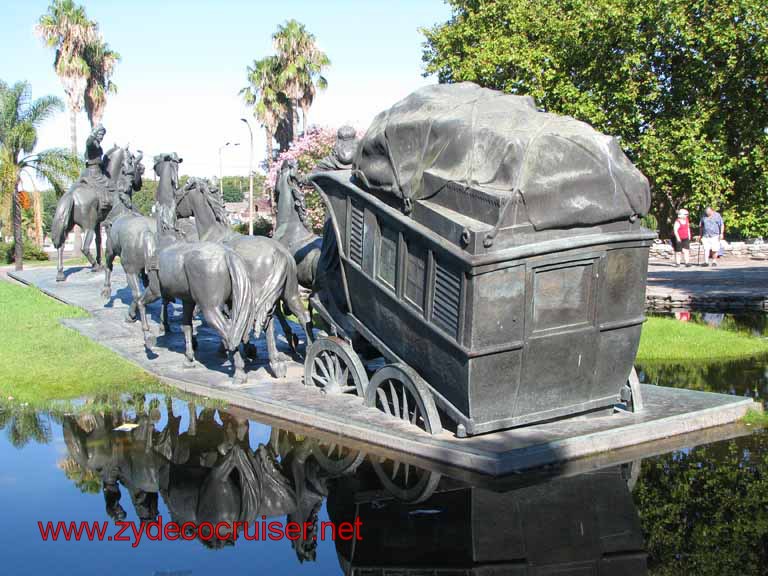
(314, 145)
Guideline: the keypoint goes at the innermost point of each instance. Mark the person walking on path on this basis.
(682, 238)
(712, 232)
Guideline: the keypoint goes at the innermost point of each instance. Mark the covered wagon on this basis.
(492, 253)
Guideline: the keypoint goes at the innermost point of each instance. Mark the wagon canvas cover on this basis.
(568, 174)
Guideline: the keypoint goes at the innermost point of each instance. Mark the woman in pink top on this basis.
(682, 238)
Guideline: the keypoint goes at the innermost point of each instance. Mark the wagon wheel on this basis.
(405, 481)
(336, 459)
(333, 366)
(399, 391)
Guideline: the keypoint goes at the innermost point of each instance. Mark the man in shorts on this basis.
(712, 232)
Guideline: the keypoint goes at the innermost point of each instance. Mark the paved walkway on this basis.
(734, 285)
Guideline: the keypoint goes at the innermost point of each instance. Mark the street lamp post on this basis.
(221, 177)
(250, 179)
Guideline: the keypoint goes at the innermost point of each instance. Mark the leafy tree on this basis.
(67, 29)
(20, 118)
(270, 104)
(235, 188)
(682, 83)
(281, 85)
(101, 64)
(301, 64)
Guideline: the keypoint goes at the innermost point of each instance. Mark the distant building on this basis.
(238, 211)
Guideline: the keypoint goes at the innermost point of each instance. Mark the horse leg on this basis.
(86, 248)
(109, 257)
(293, 301)
(236, 357)
(60, 265)
(293, 340)
(97, 234)
(276, 364)
(167, 320)
(187, 315)
(150, 294)
(133, 283)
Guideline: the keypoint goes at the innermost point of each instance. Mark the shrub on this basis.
(31, 252)
(649, 221)
(261, 227)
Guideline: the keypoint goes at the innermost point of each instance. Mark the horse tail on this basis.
(272, 289)
(242, 297)
(62, 219)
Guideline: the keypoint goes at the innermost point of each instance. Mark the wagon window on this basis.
(416, 275)
(561, 297)
(388, 257)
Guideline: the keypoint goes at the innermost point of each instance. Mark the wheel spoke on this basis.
(332, 375)
(405, 404)
(395, 400)
(337, 370)
(319, 362)
(384, 401)
(331, 450)
(395, 469)
(415, 414)
(407, 469)
(317, 378)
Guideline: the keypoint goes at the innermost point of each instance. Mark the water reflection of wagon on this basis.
(502, 305)
(580, 525)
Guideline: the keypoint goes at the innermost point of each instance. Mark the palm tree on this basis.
(301, 64)
(101, 64)
(270, 103)
(66, 28)
(20, 117)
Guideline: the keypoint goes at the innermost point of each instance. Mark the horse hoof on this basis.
(60, 277)
(149, 342)
(97, 268)
(130, 319)
(239, 379)
(106, 293)
(188, 364)
(279, 369)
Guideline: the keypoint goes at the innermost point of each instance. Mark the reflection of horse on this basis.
(292, 229)
(84, 205)
(271, 269)
(206, 274)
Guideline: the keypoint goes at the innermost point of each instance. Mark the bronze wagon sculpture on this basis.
(492, 253)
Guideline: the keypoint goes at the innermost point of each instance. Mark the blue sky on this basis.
(183, 63)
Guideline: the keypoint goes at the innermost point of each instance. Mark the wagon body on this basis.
(508, 325)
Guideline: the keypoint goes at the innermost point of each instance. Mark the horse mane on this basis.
(299, 202)
(216, 204)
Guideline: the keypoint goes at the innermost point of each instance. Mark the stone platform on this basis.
(668, 412)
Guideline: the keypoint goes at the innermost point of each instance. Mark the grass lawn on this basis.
(667, 339)
(42, 361)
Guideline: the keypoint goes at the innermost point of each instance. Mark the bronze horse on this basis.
(271, 268)
(292, 229)
(208, 275)
(84, 205)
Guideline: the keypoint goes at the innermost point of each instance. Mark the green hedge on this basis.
(31, 252)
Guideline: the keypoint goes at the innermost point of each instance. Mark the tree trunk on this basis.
(269, 167)
(76, 252)
(18, 236)
(295, 119)
(304, 120)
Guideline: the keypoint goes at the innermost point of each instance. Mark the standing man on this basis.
(712, 232)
